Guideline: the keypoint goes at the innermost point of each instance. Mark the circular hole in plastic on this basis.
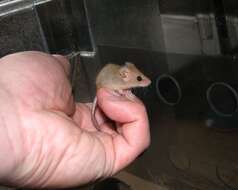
(168, 89)
(223, 99)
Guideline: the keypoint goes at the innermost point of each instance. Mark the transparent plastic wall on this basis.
(200, 27)
(20, 29)
(194, 113)
(51, 26)
(186, 47)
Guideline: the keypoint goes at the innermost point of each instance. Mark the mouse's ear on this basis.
(127, 63)
(124, 73)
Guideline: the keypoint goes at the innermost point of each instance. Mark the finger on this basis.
(82, 117)
(99, 115)
(63, 62)
(105, 126)
(107, 101)
(135, 135)
(69, 107)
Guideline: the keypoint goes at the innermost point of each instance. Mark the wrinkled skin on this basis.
(48, 140)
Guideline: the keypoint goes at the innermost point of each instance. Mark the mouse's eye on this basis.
(139, 78)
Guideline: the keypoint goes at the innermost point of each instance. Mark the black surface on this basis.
(65, 26)
(20, 32)
(222, 27)
(192, 7)
(126, 23)
(185, 7)
(111, 184)
(231, 7)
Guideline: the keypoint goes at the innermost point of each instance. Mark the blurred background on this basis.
(189, 48)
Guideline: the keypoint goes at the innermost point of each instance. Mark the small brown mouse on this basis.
(120, 79)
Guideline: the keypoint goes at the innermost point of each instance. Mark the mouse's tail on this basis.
(93, 114)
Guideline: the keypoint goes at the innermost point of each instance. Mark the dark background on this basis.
(190, 142)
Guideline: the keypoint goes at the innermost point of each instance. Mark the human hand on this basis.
(47, 140)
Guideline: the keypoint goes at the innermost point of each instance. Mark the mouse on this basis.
(120, 79)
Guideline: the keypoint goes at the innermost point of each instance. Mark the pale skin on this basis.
(48, 140)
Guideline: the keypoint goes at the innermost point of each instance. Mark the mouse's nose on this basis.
(146, 82)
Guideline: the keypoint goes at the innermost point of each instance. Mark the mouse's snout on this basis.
(145, 82)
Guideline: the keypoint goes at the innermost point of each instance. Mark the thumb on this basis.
(134, 135)
(118, 107)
